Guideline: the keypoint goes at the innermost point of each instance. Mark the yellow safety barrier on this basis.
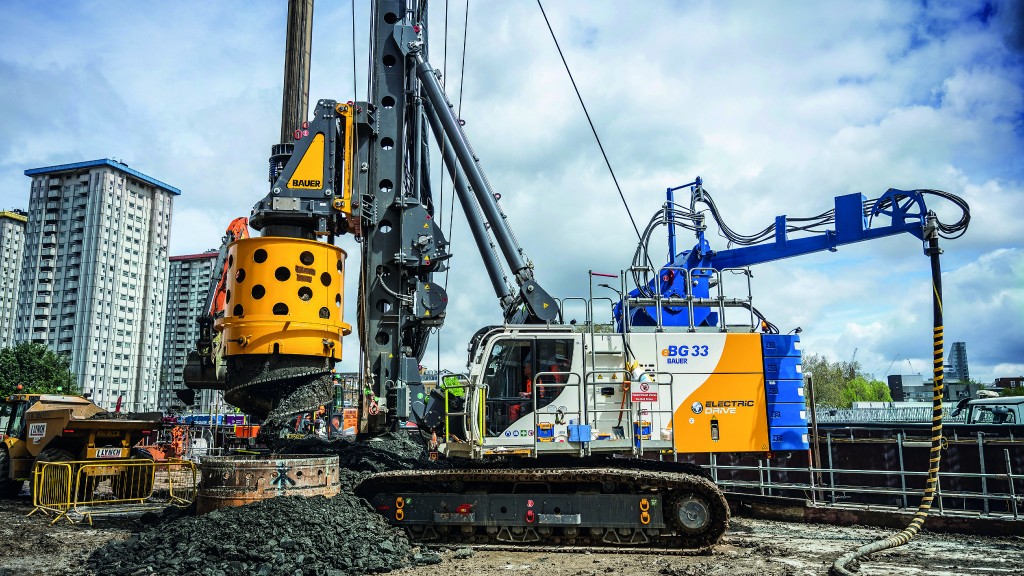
(83, 489)
(51, 487)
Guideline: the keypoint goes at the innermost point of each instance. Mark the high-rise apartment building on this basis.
(187, 288)
(94, 276)
(956, 363)
(12, 244)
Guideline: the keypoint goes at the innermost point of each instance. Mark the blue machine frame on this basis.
(905, 209)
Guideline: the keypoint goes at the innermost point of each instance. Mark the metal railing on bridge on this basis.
(900, 414)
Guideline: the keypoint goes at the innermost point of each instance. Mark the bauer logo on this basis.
(697, 407)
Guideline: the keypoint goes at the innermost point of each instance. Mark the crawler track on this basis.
(612, 508)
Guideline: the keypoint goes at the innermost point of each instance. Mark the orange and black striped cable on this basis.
(935, 453)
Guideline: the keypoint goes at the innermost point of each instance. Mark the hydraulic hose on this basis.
(839, 567)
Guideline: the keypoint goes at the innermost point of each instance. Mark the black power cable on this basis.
(839, 567)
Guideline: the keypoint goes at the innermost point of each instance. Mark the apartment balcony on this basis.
(44, 300)
(40, 325)
(53, 206)
(48, 252)
(46, 264)
(49, 240)
(50, 229)
(51, 218)
(71, 285)
(54, 192)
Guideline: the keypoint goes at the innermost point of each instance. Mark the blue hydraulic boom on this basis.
(687, 280)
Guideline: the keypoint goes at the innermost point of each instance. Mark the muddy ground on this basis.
(751, 547)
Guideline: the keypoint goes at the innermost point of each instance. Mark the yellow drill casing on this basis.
(284, 296)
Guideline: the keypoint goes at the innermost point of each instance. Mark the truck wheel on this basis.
(136, 482)
(86, 484)
(8, 488)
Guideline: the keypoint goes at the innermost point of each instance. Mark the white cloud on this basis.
(780, 107)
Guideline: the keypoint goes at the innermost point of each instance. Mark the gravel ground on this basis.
(341, 536)
(751, 547)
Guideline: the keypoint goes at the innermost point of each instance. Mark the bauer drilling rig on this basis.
(553, 425)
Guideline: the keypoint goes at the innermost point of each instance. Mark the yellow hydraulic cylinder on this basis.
(284, 296)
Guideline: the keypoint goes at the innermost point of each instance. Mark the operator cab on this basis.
(12, 417)
(524, 373)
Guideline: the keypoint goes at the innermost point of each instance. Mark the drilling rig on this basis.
(557, 426)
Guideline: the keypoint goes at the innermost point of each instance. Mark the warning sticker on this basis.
(643, 396)
(643, 393)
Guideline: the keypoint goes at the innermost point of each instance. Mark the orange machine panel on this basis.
(726, 413)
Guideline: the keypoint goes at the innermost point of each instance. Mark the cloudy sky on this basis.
(779, 106)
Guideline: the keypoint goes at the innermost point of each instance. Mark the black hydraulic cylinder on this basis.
(469, 206)
(436, 98)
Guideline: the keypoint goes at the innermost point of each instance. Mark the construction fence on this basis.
(82, 489)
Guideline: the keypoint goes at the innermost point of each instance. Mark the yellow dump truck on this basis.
(56, 428)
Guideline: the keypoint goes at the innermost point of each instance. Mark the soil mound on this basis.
(287, 535)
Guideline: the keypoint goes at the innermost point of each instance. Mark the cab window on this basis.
(515, 369)
(5, 418)
(17, 419)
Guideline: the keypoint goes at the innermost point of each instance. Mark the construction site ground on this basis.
(752, 546)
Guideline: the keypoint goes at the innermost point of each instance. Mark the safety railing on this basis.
(826, 494)
(718, 301)
(83, 489)
(898, 415)
(546, 382)
(458, 386)
(633, 413)
(975, 485)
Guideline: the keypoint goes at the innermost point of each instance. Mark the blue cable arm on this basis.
(906, 212)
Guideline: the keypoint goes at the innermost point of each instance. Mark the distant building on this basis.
(954, 391)
(956, 364)
(1009, 382)
(909, 388)
(94, 276)
(12, 246)
(187, 288)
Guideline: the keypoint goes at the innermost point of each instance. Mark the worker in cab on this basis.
(557, 373)
(520, 409)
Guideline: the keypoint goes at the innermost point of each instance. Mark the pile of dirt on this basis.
(285, 535)
(288, 535)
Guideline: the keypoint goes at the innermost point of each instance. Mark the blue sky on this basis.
(779, 106)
